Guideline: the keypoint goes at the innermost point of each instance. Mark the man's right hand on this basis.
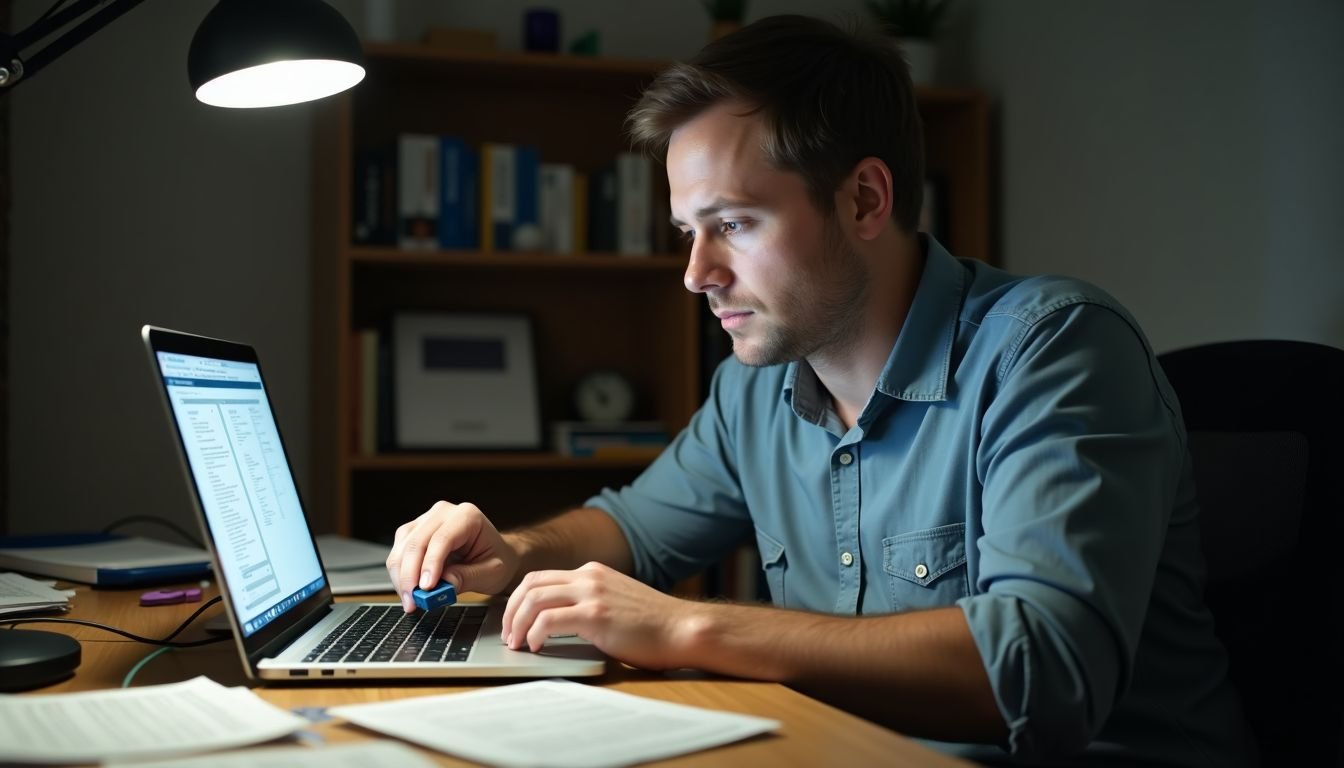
(454, 542)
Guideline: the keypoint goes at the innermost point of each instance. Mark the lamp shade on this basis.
(265, 53)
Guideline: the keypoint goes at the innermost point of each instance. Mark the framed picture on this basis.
(464, 381)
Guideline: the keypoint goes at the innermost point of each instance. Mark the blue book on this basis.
(103, 559)
(527, 164)
(458, 190)
(602, 210)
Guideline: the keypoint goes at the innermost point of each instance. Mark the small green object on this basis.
(587, 44)
(909, 18)
(726, 10)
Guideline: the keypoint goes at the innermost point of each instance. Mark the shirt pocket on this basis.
(926, 569)
(774, 563)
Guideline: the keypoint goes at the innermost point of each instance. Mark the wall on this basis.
(1185, 156)
(135, 204)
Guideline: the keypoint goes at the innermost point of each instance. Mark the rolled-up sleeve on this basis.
(1079, 461)
(687, 509)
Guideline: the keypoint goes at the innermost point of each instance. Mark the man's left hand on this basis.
(624, 618)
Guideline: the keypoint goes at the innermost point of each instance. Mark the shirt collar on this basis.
(920, 364)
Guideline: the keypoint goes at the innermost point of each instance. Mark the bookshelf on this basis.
(588, 310)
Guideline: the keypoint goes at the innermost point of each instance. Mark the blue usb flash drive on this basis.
(429, 599)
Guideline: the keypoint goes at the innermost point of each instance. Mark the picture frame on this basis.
(464, 382)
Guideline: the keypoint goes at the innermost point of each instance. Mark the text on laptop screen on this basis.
(267, 556)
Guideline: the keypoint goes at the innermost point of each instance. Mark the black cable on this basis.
(152, 519)
(52, 9)
(167, 641)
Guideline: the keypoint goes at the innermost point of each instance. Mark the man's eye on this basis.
(688, 235)
(730, 227)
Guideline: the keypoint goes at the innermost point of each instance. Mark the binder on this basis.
(103, 559)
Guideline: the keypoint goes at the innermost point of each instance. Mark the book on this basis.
(103, 559)
(634, 200)
(374, 213)
(418, 191)
(556, 203)
(625, 439)
(509, 197)
(458, 194)
(367, 408)
(602, 210)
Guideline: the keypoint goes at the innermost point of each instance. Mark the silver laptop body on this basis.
(277, 594)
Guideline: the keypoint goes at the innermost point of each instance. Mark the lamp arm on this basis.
(14, 68)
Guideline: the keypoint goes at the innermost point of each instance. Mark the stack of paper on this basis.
(359, 755)
(554, 723)
(353, 566)
(198, 715)
(21, 595)
(104, 559)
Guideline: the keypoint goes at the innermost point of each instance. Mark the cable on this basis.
(126, 681)
(52, 9)
(166, 642)
(156, 520)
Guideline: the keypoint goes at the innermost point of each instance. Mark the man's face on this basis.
(778, 273)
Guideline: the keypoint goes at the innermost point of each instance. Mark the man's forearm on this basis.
(917, 672)
(570, 540)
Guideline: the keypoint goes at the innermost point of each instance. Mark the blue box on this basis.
(429, 599)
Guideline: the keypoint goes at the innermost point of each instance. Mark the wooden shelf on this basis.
(489, 461)
(515, 259)
(589, 311)
(417, 55)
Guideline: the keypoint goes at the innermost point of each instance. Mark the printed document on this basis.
(20, 594)
(357, 755)
(198, 715)
(554, 723)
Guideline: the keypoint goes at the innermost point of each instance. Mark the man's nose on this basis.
(707, 270)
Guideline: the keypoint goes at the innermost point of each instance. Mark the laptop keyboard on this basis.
(386, 633)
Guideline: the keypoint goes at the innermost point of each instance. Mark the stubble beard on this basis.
(826, 322)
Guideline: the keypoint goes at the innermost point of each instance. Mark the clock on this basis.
(604, 396)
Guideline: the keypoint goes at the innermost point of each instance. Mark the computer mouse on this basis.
(31, 658)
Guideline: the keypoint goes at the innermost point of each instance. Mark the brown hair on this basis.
(830, 98)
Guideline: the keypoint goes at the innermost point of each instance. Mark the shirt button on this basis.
(847, 559)
(921, 571)
(845, 459)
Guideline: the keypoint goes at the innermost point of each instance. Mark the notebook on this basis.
(277, 593)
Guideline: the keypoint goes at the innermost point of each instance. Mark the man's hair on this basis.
(829, 98)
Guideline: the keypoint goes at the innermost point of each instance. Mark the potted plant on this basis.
(727, 16)
(915, 25)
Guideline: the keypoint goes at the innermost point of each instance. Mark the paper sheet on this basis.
(342, 554)
(197, 715)
(554, 723)
(360, 581)
(20, 594)
(358, 755)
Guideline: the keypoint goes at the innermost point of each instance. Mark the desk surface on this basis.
(812, 733)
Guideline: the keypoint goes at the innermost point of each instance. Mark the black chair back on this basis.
(1266, 425)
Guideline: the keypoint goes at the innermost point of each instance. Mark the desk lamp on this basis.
(246, 53)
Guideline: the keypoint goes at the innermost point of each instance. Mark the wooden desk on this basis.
(812, 733)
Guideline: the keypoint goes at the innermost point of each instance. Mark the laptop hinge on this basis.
(283, 640)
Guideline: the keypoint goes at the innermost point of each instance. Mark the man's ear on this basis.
(869, 189)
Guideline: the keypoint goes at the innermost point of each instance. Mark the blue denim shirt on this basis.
(1022, 457)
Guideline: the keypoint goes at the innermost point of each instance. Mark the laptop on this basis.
(277, 593)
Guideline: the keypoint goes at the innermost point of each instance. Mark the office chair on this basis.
(1266, 425)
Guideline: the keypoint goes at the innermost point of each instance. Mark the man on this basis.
(970, 491)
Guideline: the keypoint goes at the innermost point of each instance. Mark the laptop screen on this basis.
(251, 503)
